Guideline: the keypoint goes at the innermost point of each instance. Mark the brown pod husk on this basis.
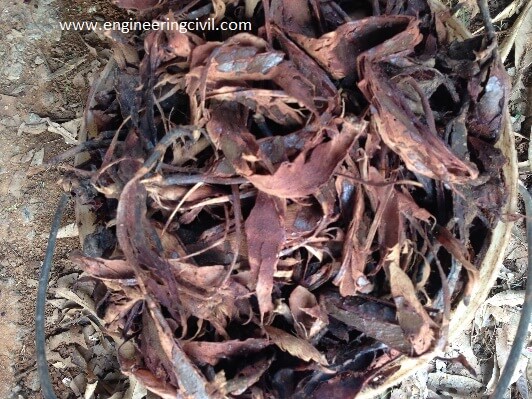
(307, 308)
(463, 315)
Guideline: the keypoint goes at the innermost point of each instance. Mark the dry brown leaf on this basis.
(434, 159)
(139, 5)
(152, 383)
(295, 346)
(212, 352)
(303, 79)
(337, 51)
(310, 319)
(265, 236)
(312, 168)
(456, 249)
(271, 104)
(80, 298)
(373, 319)
(68, 337)
(190, 379)
(292, 16)
(242, 57)
(413, 318)
(135, 390)
(245, 378)
(102, 268)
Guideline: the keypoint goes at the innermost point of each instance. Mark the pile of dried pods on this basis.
(283, 211)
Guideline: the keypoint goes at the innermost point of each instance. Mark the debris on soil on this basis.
(67, 130)
(312, 196)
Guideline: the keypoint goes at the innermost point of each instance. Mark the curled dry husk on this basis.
(283, 212)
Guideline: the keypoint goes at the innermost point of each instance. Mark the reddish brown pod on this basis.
(298, 210)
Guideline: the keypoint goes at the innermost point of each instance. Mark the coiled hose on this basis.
(40, 339)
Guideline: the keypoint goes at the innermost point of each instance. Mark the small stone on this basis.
(38, 158)
(32, 283)
(68, 231)
(27, 156)
(441, 366)
(78, 80)
(72, 126)
(38, 60)
(9, 122)
(27, 214)
(15, 186)
(16, 33)
(49, 99)
(17, 90)
(35, 384)
(15, 71)
(33, 119)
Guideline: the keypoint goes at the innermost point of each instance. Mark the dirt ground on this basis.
(44, 73)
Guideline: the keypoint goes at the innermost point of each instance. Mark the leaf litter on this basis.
(281, 212)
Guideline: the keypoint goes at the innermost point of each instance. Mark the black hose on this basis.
(526, 312)
(40, 339)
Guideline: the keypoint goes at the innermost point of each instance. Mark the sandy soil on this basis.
(31, 49)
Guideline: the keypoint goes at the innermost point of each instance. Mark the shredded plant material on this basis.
(280, 213)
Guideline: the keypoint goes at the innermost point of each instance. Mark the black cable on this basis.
(40, 339)
(526, 312)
